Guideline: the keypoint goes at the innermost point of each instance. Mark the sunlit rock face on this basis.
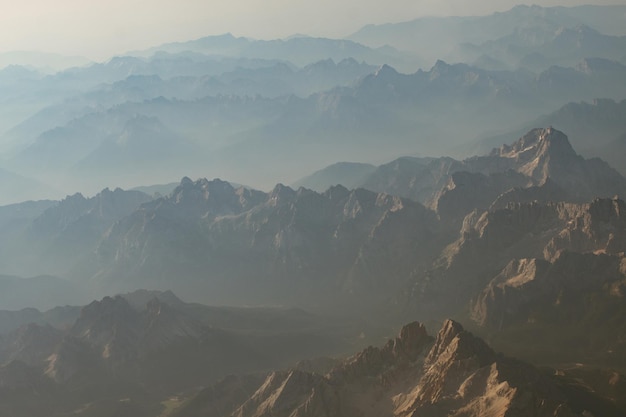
(454, 374)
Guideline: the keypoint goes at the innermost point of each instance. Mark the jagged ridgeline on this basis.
(146, 351)
(526, 244)
(496, 239)
(145, 127)
(445, 172)
(125, 355)
(414, 226)
(455, 374)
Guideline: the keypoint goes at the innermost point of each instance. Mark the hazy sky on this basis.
(98, 29)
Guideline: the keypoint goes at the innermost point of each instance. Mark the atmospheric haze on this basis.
(99, 30)
(406, 161)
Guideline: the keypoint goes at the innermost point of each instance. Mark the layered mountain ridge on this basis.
(117, 351)
(494, 242)
(284, 239)
(541, 158)
(456, 375)
(523, 242)
(53, 240)
(241, 244)
(222, 132)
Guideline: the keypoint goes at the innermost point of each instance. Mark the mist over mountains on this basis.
(524, 35)
(231, 135)
(330, 250)
(231, 102)
(228, 226)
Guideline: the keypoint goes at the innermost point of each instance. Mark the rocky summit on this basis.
(454, 374)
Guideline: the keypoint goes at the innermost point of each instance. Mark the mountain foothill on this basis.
(425, 218)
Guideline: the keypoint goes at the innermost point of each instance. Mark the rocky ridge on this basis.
(541, 165)
(353, 238)
(283, 241)
(118, 351)
(576, 296)
(59, 236)
(457, 375)
(489, 240)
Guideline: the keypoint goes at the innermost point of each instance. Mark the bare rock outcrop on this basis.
(575, 296)
(490, 240)
(456, 375)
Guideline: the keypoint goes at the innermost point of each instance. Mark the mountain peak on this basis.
(536, 142)
(104, 321)
(281, 193)
(411, 340)
(216, 192)
(385, 71)
(337, 192)
(108, 306)
(447, 333)
(464, 378)
(441, 67)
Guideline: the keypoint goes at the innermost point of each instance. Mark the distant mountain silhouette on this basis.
(518, 31)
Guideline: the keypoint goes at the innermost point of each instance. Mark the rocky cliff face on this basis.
(141, 348)
(419, 179)
(541, 165)
(545, 157)
(572, 297)
(457, 375)
(62, 234)
(467, 191)
(552, 272)
(329, 249)
(546, 153)
(270, 246)
(111, 338)
(490, 240)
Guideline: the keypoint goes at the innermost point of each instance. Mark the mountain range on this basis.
(300, 50)
(217, 104)
(232, 136)
(117, 355)
(601, 119)
(450, 195)
(125, 356)
(506, 38)
(456, 374)
(379, 252)
(541, 157)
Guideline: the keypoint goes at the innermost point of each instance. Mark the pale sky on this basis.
(99, 29)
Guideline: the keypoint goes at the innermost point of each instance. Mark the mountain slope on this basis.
(225, 133)
(124, 357)
(592, 127)
(540, 48)
(55, 240)
(457, 375)
(573, 297)
(450, 32)
(348, 174)
(16, 188)
(541, 165)
(298, 50)
(251, 245)
(531, 269)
